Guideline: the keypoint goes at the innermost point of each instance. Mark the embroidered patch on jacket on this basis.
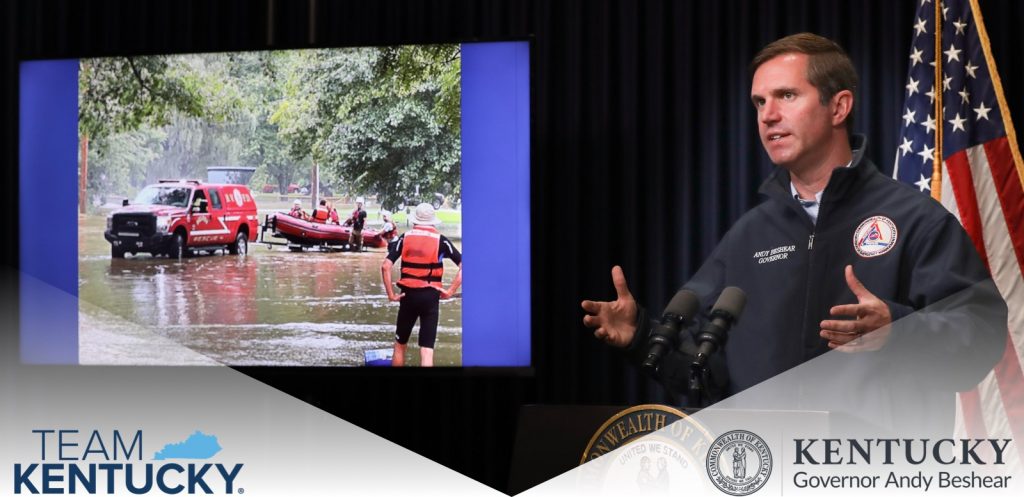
(875, 236)
(776, 254)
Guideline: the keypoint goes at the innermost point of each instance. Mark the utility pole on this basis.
(314, 193)
(83, 174)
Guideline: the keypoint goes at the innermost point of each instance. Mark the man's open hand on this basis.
(615, 321)
(869, 314)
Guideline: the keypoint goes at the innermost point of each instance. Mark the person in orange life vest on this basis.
(333, 213)
(422, 250)
(297, 211)
(388, 231)
(356, 220)
(321, 213)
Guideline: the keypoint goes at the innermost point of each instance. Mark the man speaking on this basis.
(835, 254)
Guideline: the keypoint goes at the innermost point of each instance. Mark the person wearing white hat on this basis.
(356, 220)
(422, 250)
(297, 210)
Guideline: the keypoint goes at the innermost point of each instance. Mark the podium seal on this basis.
(645, 449)
(739, 462)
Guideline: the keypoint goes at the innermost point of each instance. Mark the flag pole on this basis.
(937, 157)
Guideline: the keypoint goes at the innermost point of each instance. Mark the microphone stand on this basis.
(665, 336)
(698, 385)
(713, 337)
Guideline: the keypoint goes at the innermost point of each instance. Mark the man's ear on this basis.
(842, 104)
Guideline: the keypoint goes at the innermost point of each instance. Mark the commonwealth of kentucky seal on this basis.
(875, 236)
(739, 462)
(645, 449)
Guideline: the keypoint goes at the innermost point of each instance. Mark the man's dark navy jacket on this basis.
(904, 247)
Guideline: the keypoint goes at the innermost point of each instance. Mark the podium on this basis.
(551, 439)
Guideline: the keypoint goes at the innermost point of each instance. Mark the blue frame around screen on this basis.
(495, 189)
(496, 203)
(48, 211)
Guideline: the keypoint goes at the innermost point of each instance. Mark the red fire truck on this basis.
(175, 217)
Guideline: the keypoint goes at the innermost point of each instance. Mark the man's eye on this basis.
(789, 95)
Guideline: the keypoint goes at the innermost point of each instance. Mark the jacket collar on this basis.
(840, 184)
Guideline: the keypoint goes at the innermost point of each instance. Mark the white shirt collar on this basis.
(811, 206)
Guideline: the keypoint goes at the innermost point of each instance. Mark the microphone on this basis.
(679, 312)
(724, 314)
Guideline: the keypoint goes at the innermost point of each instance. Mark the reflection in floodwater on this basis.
(269, 308)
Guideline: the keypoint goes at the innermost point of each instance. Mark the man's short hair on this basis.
(829, 69)
(323, 202)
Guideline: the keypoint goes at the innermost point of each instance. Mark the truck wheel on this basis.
(176, 249)
(116, 252)
(241, 245)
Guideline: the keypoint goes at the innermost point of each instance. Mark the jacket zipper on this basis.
(807, 286)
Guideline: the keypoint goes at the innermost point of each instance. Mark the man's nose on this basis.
(769, 112)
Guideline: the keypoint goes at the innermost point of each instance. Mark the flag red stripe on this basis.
(974, 421)
(1008, 372)
(959, 171)
(1011, 196)
(1009, 377)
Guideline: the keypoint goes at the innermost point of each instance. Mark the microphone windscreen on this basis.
(731, 301)
(685, 304)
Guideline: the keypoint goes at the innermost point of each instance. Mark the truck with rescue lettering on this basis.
(177, 217)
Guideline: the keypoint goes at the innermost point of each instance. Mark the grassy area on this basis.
(446, 216)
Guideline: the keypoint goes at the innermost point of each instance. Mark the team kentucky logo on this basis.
(875, 236)
(739, 462)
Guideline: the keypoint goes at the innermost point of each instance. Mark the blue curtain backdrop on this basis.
(644, 152)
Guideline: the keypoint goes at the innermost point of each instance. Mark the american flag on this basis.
(981, 183)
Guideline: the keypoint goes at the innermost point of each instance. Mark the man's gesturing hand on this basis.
(869, 314)
(615, 321)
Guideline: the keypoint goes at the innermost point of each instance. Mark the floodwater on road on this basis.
(272, 307)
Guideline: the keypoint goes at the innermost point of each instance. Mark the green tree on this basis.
(119, 162)
(439, 67)
(127, 99)
(192, 145)
(386, 119)
(262, 79)
(119, 94)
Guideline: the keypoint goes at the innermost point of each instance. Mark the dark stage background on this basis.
(645, 151)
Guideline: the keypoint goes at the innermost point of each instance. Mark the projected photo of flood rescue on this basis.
(251, 208)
